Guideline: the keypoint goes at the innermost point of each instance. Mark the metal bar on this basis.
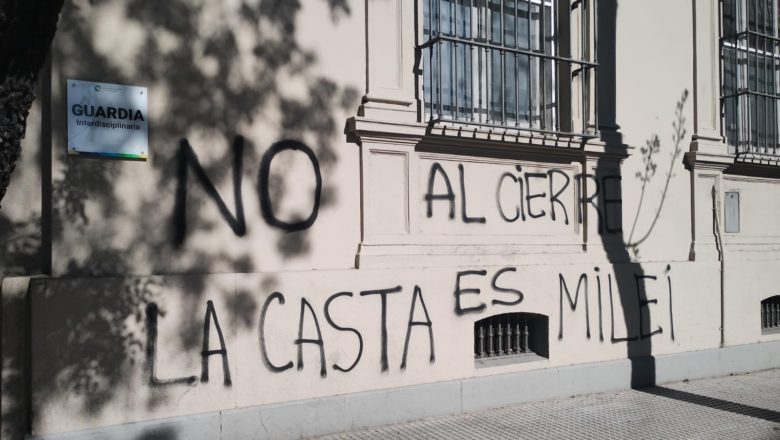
(489, 84)
(471, 60)
(542, 82)
(430, 57)
(768, 76)
(525, 338)
(488, 61)
(581, 8)
(517, 69)
(763, 316)
(508, 336)
(749, 92)
(767, 126)
(479, 63)
(528, 67)
(767, 317)
(588, 69)
(535, 130)
(490, 340)
(746, 104)
(758, 74)
(724, 102)
(760, 70)
(765, 77)
(741, 110)
(481, 341)
(476, 341)
(736, 78)
(455, 66)
(438, 57)
(749, 104)
(595, 69)
(773, 102)
(755, 134)
(556, 123)
(509, 348)
(747, 32)
(503, 65)
(500, 344)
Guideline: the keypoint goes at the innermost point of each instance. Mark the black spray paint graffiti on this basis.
(529, 190)
(466, 285)
(188, 160)
(308, 318)
(152, 312)
(460, 291)
(265, 196)
(383, 295)
(643, 305)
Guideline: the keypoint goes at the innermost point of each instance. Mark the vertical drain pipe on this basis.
(719, 246)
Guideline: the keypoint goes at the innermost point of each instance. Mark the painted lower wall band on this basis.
(347, 412)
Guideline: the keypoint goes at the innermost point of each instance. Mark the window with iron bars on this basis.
(770, 315)
(509, 64)
(511, 336)
(750, 64)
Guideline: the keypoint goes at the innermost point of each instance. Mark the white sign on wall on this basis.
(108, 120)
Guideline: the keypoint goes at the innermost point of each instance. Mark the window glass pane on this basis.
(729, 17)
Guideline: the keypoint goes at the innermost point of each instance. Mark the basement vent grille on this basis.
(514, 337)
(770, 315)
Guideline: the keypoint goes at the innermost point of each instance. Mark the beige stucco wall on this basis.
(91, 361)
(266, 71)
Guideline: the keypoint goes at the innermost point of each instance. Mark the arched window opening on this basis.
(770, 315)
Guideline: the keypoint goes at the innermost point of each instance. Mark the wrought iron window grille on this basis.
(511, 335)
(750, 79)
(508, 64)
(770, 315)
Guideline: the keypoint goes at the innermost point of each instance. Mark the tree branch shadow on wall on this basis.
(20, 246)
(649, 151)
(209, 87)
(220, 100)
